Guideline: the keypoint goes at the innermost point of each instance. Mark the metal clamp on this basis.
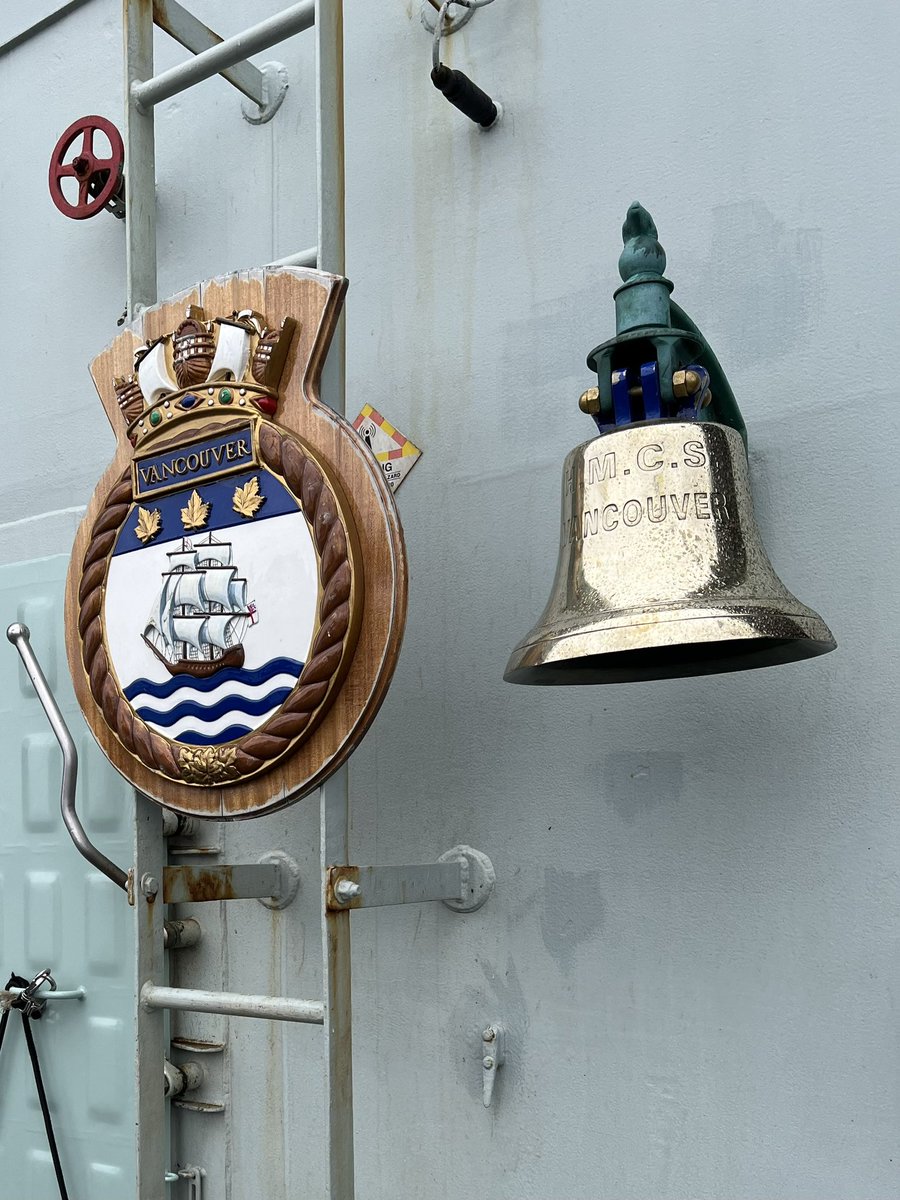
(20, 637)
(194, 1175)
(493, 1047)
(430, 12)
(31, 1004)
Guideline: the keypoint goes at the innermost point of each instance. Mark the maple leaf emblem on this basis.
(195, 512)
(208, 765)
(247, 499)
(149, 524)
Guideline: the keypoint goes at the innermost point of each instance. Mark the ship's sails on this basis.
(214, 554)
(154, 378)
(189, 591)
(232, 352)
(225, 631)
(201, 611)
(191, 630)
(237, 593)
(215, 584)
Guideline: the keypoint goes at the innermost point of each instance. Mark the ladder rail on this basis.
(143, 91)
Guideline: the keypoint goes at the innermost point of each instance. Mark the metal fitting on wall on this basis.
(459, 89)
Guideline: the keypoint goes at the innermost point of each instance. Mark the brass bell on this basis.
(662, 572)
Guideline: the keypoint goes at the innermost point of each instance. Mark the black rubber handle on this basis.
(465, 95)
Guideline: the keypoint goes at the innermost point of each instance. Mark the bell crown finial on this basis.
(642, 256)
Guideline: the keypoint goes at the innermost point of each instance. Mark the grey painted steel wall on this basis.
(58, 913)
(692, 936)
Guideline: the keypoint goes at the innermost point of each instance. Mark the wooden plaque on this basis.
(237, 591)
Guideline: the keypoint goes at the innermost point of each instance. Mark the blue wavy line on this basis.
(162, 691)
(212, 712)
(231, 734)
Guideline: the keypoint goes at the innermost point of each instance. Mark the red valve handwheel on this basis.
(98, 178)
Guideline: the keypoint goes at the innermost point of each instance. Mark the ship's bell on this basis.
(662, 572)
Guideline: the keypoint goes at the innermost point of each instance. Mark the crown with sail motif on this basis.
(236, 360)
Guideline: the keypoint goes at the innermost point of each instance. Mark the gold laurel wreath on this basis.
(295, 718)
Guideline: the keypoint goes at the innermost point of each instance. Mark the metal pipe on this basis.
(334, 805)
(185, 28)
(20, 637)
(303, 258)
(140, 164)
(272, 1008)
(233, 50)
(78, 993)
(151, 1025)
(180, 935)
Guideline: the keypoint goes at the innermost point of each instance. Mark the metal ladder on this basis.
(462, 878)
(143, 91)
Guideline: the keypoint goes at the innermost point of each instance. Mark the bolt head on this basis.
(149, 886)
(346, 890)
(489, 1034)
(589, 401)
(487, 1062)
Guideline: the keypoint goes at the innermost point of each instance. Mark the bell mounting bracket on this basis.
(99, 177)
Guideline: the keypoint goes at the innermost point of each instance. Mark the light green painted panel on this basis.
(57, 912)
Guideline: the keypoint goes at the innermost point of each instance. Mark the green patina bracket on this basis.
(649, 324)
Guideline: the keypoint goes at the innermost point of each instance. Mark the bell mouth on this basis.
(669, 662)
(684, 648)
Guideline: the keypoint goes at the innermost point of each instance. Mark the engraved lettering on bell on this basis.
(662, 572)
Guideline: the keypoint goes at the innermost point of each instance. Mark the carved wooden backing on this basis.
(361, 558)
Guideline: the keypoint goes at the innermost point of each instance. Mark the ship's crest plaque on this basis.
(238, 587)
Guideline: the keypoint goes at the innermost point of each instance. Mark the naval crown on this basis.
(203, 363)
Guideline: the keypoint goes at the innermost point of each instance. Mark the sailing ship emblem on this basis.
(201, 615)
(217, 592)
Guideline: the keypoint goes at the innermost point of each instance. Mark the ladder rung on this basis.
(185, 28)
(226, 54)
(234, 1004)
(303, 258)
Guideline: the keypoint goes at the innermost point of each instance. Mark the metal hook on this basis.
(20, 637)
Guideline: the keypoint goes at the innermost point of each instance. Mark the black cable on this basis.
(18, 982)
(45, 1108)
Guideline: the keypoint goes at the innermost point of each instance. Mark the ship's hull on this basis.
(200, 668)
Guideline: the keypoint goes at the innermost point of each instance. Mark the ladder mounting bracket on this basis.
(274, 86)
(274, 879)
(462, 878)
